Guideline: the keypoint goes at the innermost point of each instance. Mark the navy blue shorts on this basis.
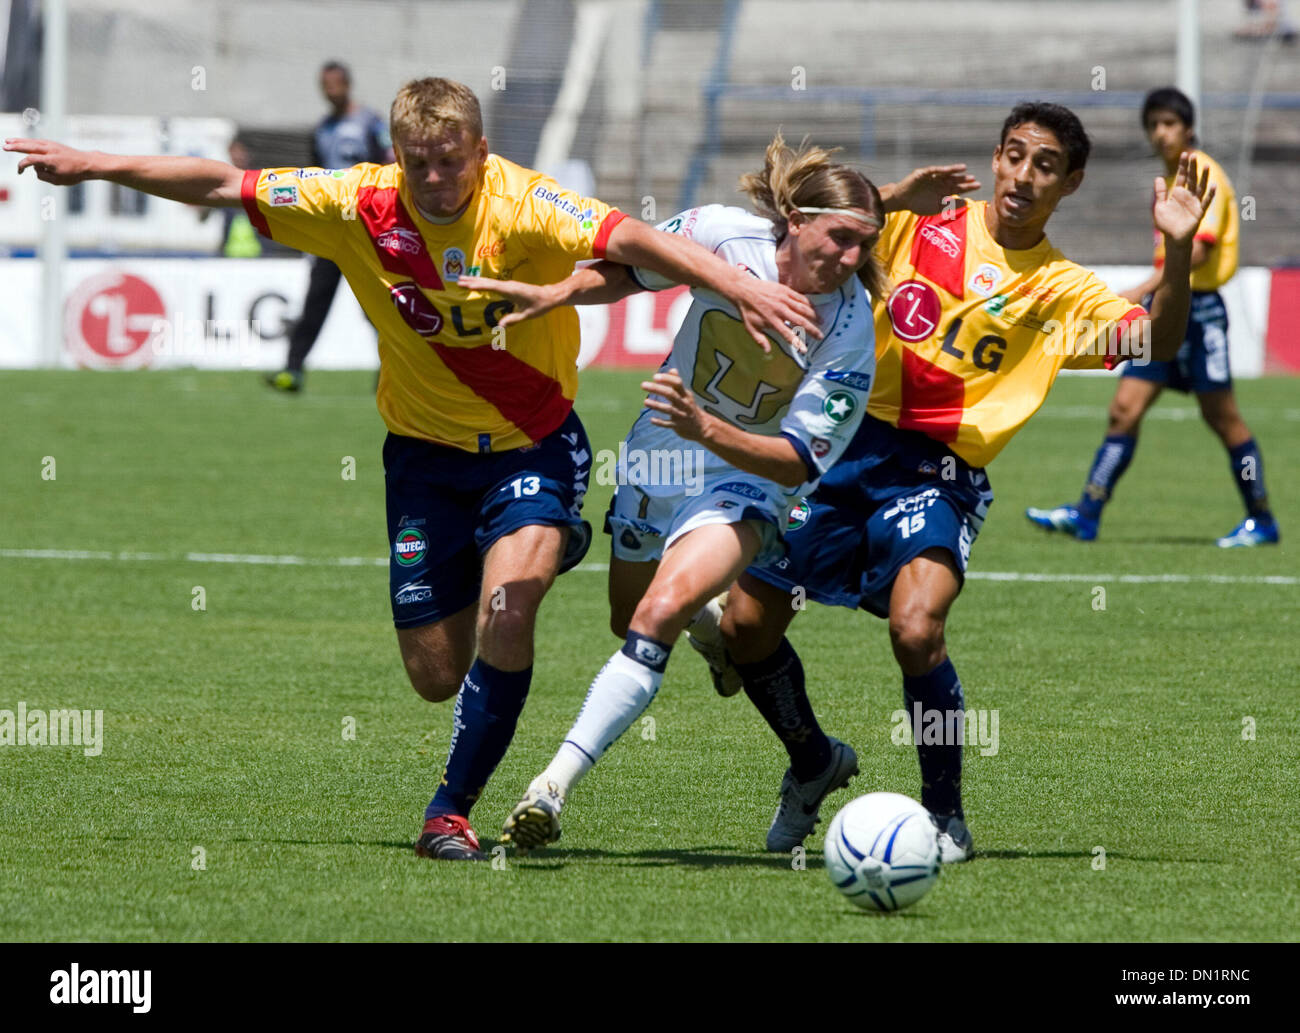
(1201, 364)
(446, 506)
(892, 495)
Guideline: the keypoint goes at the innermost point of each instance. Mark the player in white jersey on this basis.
(774, 421)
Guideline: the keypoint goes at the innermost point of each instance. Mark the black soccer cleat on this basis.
(449, 837)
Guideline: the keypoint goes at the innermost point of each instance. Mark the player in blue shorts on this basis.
(983, 314)
(486, 463)
(1201, 365)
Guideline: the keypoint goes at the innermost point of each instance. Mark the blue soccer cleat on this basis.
(1064, 518)
(1251, 531)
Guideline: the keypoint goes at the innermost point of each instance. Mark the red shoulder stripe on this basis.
(248, 194)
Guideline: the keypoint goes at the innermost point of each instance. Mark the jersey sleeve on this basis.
(705, 225)
(302, 208)
(828, 406)
(1215, 221)
(552, 220)
(1094, 331)
(897, 230)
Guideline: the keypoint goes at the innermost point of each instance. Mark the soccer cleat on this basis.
(955, 843)
(535, 821)
(448, 837)
(1064, 518)
(285, 380)
(797, 812)
(1251, 531)
(705, 637)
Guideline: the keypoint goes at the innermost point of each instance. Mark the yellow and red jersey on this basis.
(972, 335)
(1219, 229)
(445, 375)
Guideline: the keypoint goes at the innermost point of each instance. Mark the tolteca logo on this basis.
(821, 448)
(400, 241)
(112, 986)
(409, 546)
(283, 195)
(985, 280)
(914, 310)
(799, 514)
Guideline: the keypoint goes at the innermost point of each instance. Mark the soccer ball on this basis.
(882, 851)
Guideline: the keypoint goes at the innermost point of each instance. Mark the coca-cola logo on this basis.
(400, 241)
(416, 309)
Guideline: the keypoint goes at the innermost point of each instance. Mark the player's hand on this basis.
(1180, 208)
(923, 191)
(764, 305)
(53, 162)
(530, 300)
(670, 396)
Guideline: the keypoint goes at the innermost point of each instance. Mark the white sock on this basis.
(619, 695)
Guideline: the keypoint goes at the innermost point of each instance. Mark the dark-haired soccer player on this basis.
(983, 314)
(1201, 365)
(485, 463)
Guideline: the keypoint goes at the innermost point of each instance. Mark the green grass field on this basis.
(1119, 728)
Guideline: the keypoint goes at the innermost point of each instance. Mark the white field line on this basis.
(254, 559)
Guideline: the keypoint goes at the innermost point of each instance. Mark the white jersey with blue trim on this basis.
(815, 400)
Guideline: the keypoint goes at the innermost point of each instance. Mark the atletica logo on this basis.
(84, 728)
(112, 986)
(410, 546)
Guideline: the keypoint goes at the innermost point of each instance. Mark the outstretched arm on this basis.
(923, 190)
(600, 284)
(763, 306)
(188, 180)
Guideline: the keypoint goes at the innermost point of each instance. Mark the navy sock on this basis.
(940, 690)
(1248, 472)
(487, 710)
(776, 687)
(1108, 465)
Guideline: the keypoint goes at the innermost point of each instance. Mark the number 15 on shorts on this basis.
(910, 525)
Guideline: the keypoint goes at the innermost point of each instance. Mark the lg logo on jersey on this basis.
(914, 312)
(423, 317)
(987, 353)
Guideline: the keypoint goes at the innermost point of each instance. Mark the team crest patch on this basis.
(839, 406)
(284, 195)
(799, 514)
(453, 263)
(985, 280)
(410, 546)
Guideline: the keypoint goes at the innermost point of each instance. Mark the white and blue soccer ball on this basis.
(882, 851)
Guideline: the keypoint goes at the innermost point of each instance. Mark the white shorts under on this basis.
(644, 520)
